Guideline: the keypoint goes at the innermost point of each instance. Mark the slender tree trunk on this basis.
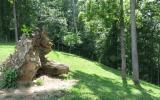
(1, 17)
(158, 74)
(58, 46)
(122, 38)
(159, 66)
(74, 16)
(135, 65)
(69, 49)
(15, 20)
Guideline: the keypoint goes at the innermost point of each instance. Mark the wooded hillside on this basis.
(92, 29)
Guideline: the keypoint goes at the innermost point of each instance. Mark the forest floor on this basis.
(87, 80)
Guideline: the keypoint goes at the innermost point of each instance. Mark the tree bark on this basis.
(29, 58)
(122, 38)
(135, 65)
(15, 20)
(1, 18)
(74, 16)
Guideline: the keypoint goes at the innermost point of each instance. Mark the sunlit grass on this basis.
(5, 51)
(95, 81)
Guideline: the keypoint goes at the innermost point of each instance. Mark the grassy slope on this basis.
(95, 81)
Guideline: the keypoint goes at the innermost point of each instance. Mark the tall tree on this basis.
(15, 20)
(1, 17)
(74, 16)
(135, 65)
(122, 40)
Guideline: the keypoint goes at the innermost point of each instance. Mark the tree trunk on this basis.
(1, 18)
(29, 58)
(135, 65)
(74, 16)
(15, 20)
(122, 38)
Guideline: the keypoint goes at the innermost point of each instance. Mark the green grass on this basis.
(95, 81)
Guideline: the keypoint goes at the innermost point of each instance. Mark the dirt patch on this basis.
(51, 87)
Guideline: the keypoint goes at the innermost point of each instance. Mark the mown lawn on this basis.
(95, 81)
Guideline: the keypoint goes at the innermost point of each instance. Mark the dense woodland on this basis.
(92, 29)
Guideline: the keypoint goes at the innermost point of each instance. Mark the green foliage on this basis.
(39, 82)
(26, 29)
(71, 39)
(9, 78)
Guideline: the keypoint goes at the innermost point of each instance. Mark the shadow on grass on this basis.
(69, 54)
(116, 72)
(91, 86)
(124, 81)
(7, 43)
(77, 56)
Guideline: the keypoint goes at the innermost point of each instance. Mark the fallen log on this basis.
(29, 58)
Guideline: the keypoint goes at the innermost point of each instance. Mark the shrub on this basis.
(39, 82)
(9, 78)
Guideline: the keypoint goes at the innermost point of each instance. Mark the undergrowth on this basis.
(9, 78)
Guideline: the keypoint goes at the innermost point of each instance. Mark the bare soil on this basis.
(51, 88)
